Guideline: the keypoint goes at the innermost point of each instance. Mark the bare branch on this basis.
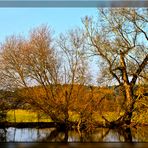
(140, 68)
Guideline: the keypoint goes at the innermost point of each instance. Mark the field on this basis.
(25, 116)
(30, 116)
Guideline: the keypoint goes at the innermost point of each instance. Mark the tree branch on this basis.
(140, 68)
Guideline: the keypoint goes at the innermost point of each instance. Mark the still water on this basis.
(139, 134)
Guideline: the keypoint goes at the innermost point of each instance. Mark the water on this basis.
(52, 135)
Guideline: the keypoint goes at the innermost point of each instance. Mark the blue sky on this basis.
(21, 20)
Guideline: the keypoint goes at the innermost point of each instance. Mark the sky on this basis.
(21, 20)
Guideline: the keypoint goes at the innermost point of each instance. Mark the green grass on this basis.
(25, 116)
(30, 116)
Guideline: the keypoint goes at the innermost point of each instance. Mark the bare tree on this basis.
(75, 69)
(50, 83)
(119, 37)
(32, 62)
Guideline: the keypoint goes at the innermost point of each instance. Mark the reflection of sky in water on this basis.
(26, 134)
(111, 136)
(73, 136)
(99, 135)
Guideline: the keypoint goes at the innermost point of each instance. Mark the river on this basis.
(139, 134)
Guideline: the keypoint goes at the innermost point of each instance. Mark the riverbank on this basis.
(28, 124)
(50, 124)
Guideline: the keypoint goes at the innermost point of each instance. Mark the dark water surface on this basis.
(138, 134)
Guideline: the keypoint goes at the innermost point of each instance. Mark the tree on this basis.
(119, 38)
(75, 69)
(30, 62)
(50, 83)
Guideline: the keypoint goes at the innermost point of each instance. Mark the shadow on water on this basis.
(3, 137)
(139, 134)
(126, 134)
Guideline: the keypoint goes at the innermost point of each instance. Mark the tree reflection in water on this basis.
(3, 135)
(139, 134)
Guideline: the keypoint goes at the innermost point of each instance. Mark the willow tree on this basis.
(119, 38)
(30, 62)
(47, 80)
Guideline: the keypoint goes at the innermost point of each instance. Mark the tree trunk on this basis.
(128, 88)
(14, 116)
(129, 104)
(66, 109)
(66, 119)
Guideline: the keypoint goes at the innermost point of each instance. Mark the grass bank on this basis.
(26, 116)
(30, 116)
